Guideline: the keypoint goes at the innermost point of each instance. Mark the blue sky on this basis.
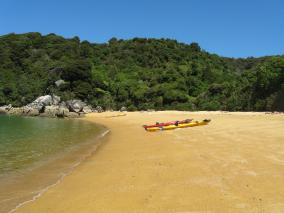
(233, 28)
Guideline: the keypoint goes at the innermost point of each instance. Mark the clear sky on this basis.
(234, 28)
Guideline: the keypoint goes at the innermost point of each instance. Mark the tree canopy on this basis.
(138, 73)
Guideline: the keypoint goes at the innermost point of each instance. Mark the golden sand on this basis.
(234, 164)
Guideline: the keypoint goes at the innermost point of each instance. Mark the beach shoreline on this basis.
(29, 182)
(235, 164)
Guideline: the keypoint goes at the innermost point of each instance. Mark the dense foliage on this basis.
(138, 73)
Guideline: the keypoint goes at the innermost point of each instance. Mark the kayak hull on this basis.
(171, 127)
(167, 123)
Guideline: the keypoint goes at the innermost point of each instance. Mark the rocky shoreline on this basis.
(51, 106)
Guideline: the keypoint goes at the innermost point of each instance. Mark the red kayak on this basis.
(168, 123)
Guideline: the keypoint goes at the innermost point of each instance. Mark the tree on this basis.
(77, 70)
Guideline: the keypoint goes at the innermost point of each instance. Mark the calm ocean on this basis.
(41, 148)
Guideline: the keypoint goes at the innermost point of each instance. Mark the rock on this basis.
(16, 111)
(9, 107)
(72, 115)
(82, 114)
(26, 110)
(34, 112)
(55, 111)
(75, 105)
(59, 82)
(55, 100)
(99, 109)
(41, 102)
(62, 104)
(87, 109)
(62, 112)
(50, 106)
(123, 109)
(30, 111)
(5, 109)
(50, 111)
(45, 100)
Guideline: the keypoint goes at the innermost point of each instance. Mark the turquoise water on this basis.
(36, 153)
(24, 141)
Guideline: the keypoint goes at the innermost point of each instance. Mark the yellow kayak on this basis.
(170, 127)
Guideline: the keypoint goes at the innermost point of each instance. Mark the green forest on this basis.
(139, 73)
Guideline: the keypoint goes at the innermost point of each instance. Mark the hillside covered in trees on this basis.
(138, 73)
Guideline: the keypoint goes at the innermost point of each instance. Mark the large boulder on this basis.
(75, 105)
(62, 112)
(40, 102)
(50, 111)
(45, 100)
(56, 111)
(87, 109)
(55, 100)
(60, 82)
(62, 104)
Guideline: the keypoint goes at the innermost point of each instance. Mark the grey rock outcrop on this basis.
(60, 82)
(50, 111)
(55, 100)
(62, 104)
(62, 112)
(50, 106)
(40, 102)
(75, 105)
(87, 109)
(30, 111)
(58, 111)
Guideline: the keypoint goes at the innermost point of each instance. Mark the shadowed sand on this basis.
(234, 164)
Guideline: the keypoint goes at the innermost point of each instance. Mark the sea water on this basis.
(41, 148)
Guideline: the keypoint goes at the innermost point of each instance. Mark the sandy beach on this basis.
(234, 164)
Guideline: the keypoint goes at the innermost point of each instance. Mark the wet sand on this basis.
(234, 164)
